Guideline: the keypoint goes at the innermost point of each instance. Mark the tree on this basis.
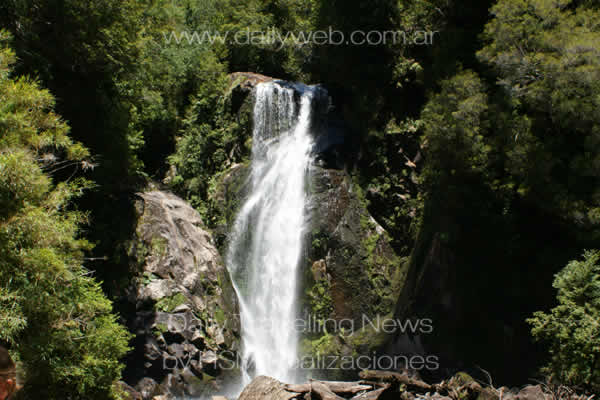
(81, 51)
(51, 310)
(171, 68)
(454, 125)
(546, 54)
(572, 328)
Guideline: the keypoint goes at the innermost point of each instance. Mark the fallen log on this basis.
(394, 377)
(335, 387)
(323, 391)
(373, 395)
(297, 388)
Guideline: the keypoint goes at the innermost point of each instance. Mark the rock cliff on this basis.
(185, 314)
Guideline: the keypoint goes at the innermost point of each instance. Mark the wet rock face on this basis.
(353, 273)
(186, 315)
(353, 249)
(226, 200)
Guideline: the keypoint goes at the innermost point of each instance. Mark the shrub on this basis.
(572, 328)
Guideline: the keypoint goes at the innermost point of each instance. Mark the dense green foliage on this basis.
(453, 124)
(572, 327)
(213, 139)
(511, 166)
(53, 313)
(546, 56)
(81, 50)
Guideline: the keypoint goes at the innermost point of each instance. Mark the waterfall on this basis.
(266, 241)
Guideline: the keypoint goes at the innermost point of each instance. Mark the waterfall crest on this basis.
(266, 241)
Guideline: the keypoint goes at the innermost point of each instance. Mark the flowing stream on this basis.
(266, 242)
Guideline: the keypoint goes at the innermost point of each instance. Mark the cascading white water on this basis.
(267, 237)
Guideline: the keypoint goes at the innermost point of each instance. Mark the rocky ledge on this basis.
(248, 80)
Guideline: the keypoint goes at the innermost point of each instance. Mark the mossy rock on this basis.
(462, 378)
(226, 197)
(365, 273)
(351, 271)
(169, 304)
